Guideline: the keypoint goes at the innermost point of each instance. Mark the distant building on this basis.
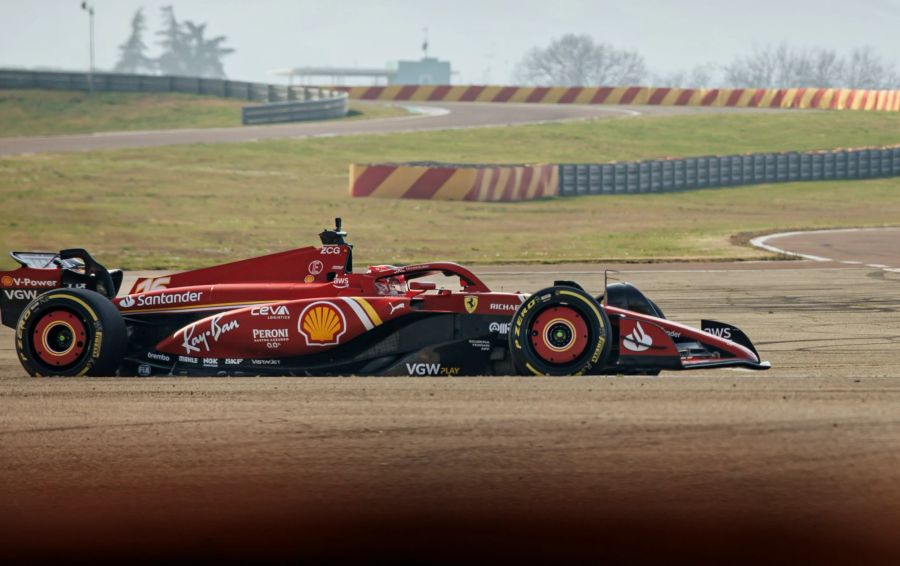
(425, 71)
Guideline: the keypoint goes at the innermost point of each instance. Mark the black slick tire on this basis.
(71, 332)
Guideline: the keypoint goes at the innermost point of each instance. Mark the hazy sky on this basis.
(482, 39)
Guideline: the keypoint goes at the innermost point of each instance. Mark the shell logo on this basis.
(322, 324)
(6, 281)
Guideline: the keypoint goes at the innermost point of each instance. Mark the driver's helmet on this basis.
(391, 285)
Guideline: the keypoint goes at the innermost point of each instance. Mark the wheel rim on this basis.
(559, 335)
(59, 338)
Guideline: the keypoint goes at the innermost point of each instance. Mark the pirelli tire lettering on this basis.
(70, 332)
(559, 331)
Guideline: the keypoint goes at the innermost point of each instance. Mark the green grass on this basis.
(175, 207)
(39, 112)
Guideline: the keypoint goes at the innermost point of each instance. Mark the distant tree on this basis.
(187, 51)
(206, 55)
(783, 67)
(865, 69)
(699, 76)
(576, 60)
(826, 68)
(759, 69)
(173, 59)
(131, 53)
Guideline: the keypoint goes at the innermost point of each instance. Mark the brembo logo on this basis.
(164, 299)
(638, 340)
(158, 357)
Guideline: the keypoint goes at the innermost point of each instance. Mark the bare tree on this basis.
(760, 69)
(576, 60)
(865, 69)
(699, 76)
(783, 66)
(826, 68)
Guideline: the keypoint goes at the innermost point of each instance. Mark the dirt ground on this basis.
(798, 463)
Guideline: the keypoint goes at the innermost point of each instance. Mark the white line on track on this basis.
(429, 110)
(761, 242)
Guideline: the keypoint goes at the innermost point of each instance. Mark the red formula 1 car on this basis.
(306, 312)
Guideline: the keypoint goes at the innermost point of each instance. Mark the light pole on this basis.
(90, 10)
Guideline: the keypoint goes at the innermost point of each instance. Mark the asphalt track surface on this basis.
(799, 464)
(871, 247)
(460, 115)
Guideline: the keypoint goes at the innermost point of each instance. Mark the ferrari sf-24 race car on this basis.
(305, 312)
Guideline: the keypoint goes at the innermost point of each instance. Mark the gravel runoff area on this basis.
(800, 462)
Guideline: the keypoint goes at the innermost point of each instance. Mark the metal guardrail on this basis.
(665, 175)
(307, 103)
(296, 111)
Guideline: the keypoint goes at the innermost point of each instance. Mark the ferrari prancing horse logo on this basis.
(471, 302)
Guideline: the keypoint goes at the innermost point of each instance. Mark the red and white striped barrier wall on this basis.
(489, 183)
(811, 98)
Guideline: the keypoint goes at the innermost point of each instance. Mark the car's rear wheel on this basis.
(560, 330)
(70, 332)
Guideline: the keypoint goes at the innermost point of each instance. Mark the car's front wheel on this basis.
(560, 330)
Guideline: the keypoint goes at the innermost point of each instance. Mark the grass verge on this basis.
(42, 112)
(175, 207)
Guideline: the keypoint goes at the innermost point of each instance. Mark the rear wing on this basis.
(43, 271)
(21, 286)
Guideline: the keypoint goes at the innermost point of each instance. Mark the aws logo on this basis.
(322, 324)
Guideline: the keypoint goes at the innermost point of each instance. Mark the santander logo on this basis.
(638, 340)
(127, 302)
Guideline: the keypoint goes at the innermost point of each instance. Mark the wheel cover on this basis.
(59, 338)
(559, 335)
